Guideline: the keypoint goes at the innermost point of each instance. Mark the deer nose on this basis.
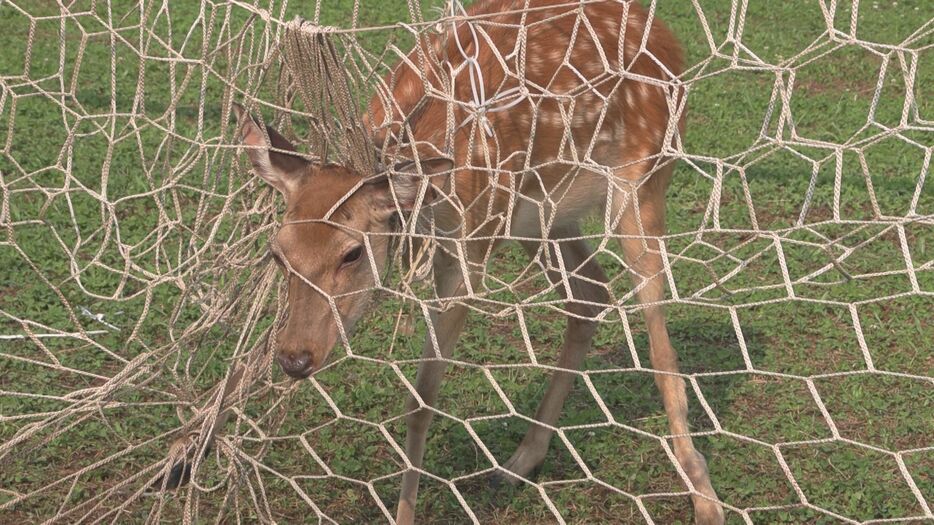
(297, 365)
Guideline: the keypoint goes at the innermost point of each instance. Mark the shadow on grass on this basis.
(627, 455)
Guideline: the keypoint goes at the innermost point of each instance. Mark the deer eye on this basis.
(352, 256)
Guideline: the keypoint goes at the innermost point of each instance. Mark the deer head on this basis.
(334, 240)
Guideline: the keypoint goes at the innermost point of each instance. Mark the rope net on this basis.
(139, 302)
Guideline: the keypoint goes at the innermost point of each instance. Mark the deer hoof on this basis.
(502, 479)
(179, 476)
(708, 513)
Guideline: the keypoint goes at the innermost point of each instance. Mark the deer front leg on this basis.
(586, 281)
(447, 326)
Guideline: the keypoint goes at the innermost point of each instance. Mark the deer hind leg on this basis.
(447, 326)
(639, 217)
(586, 282)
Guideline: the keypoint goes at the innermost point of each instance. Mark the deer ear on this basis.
(270, 156)
(401, 186)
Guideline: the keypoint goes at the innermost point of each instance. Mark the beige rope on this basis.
(137, 241)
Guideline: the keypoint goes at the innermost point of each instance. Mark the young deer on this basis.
(580, 113)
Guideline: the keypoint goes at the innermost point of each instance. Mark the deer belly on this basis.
(537, 215)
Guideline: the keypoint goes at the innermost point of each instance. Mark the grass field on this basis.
(796, 346)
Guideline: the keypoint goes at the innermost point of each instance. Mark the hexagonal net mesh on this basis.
(141, 307)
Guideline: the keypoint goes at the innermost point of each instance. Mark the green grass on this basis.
(784, 412)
